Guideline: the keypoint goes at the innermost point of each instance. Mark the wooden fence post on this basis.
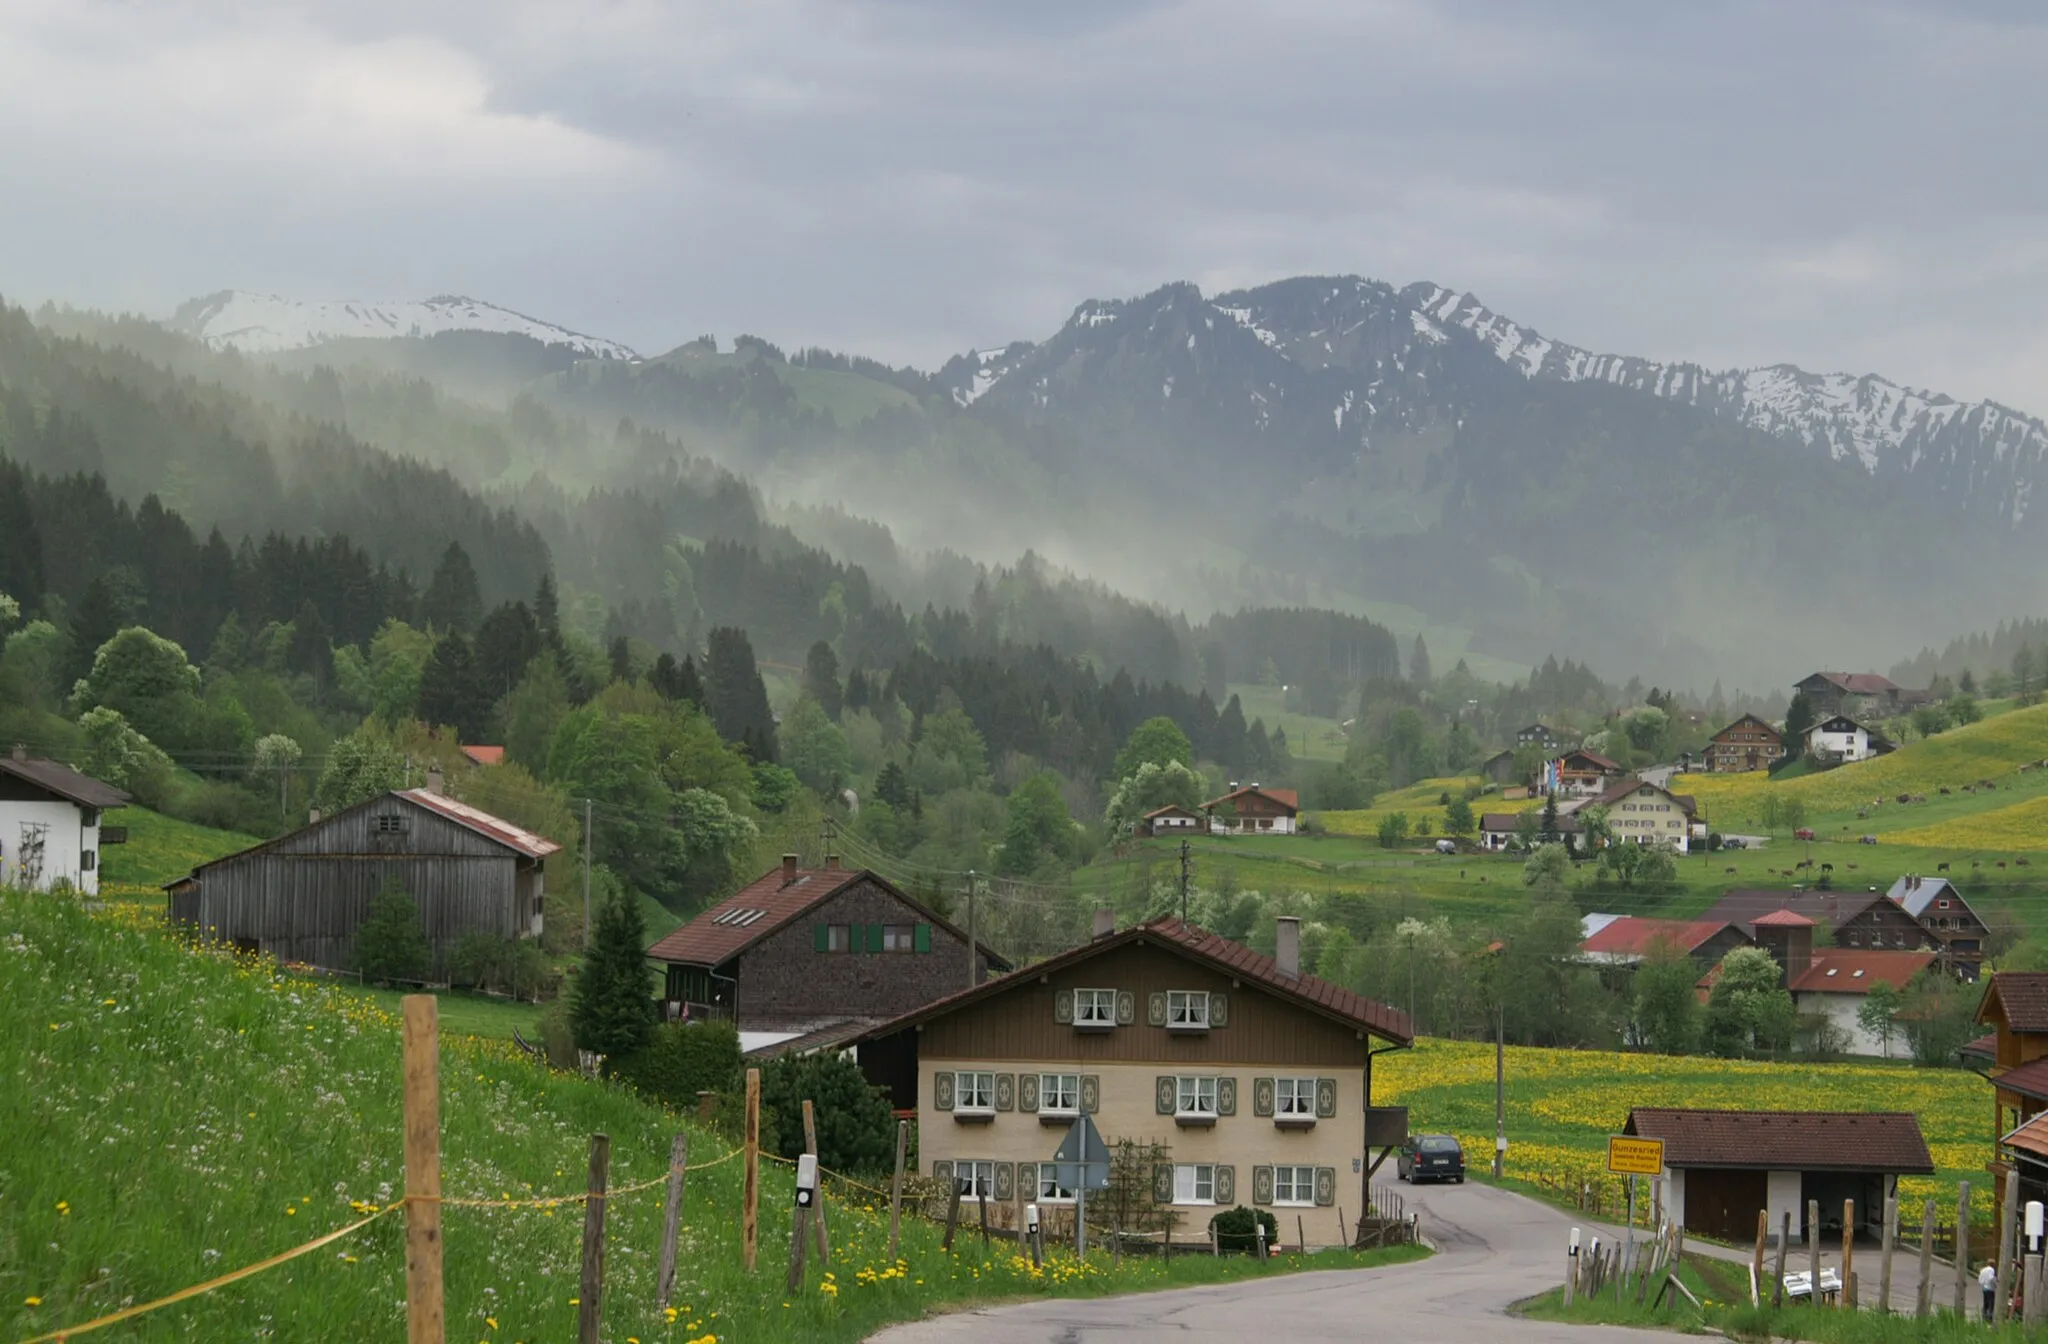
(1963, 1275)
(1813, 1249)
(1884, 1260)
(817, 1211)
(1778, 1277)
(424, 1310)
(1923, 1303)
(1756, 1264)
(750, 1195)
(952, 1216)
(1848, 1254)
(799, 1242)
(982, 1204)
(2008, 1272)
(896, 1187)
(590, 1303)
(672, 1219)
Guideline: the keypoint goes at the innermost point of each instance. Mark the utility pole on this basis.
(586, 874)
(1500, 1125)
(1183, 881)
(972, 883)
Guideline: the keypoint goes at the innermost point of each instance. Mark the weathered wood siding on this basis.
(302, 896)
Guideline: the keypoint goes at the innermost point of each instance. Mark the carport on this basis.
(1721, 1167)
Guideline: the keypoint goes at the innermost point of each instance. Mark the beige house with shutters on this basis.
(1255, 1078)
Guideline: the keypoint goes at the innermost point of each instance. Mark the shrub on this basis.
(1237, 1229)
(856, 1127)
(390, 944)
(684, 1059)
(501, 965)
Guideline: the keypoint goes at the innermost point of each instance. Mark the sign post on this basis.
(1632, 1157)
(1082, 1164)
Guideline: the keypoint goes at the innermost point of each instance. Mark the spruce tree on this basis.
(611, 1011)
(737, 699)
(453, 602)
(390, 945)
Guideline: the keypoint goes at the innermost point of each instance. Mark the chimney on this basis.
(831, 863)
(312, 816)
(788, 869)
(20, 752)
(1287, 946)
(434, 780)
(1105, 923)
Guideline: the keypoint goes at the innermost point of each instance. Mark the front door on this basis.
(1724, 1204)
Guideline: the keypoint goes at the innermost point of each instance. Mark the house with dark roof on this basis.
(2015, 1007)
(1850, 919)
(1173, 819)
(1540, 735)
(1856, 693)
(302, 896)
(1254, 810)
(1723, 1167)
(815, 953)
(1256, 1075)
(1498, 830)
(1582, 774)
(1959, 933)
(1749, 743)
(1837, 739)
(50, 832)
(1500, 768)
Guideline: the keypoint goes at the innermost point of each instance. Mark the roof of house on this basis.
(1855, 683)
(61, 780)
(1199, 945)
(2023, 995)
(2029, 1079)
(1917, 893)
(1594, 759)
(1887, 1141)
(492, 828)
(1781, 919)
(2030, 1138)
(1508, 821)
(1857, 970)
(1172, 809)
(771, 902)
(1543, 728)
(1837, 723)
(1287, 798)
(1632, 937)
(1749, 718)
(1622, 788)
(485, 755)
(1837, 908)
(1986, 1046)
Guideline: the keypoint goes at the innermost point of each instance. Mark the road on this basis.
(1494, 1249)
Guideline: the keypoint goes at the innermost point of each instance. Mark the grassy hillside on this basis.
(176, 1114)
(160, 849)
(1420, 799)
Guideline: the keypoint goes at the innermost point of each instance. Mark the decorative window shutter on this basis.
(922, 937)
(1027, 1180)
(1326, 1098)
(821, 937)
(1091, 1093)
(942, 1091)
(1226, 1096)
(1155, 1008)
(1126, 1008)
(1063, 1005)
(874, 937)
(942, 1171)
(1006, 1189)
(1027, 1093)
(1219, 1010)
(1262, 1185)
(1326, 1186)
(1166, 1094)
(1262, 1096)
(1226, 1185)
(1006, 1091)
(1162, 1183)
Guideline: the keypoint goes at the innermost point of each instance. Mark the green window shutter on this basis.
(1162, 1182)
(1006, 1091)
(1326, 1097)
(1226, 1096)
(1027, 1181)
(1262, 1096)
(821, 937)
(874, 937)
(1005, 1189)
(1219, 1010)
(1226, 1185)
(1027, 1092)
(1091, 1093)
(1063, 1006)
(1165, 1094)
(1326, 1186)
(1262, 1185)
(923, 937)
(942, 1092)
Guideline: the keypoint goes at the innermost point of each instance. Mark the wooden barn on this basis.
(302, 896)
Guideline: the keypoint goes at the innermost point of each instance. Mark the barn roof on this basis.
(484, 824)
(61, 780)
(1887, 1141)
(1837, 908)
(485, 755)
(2029, 1079)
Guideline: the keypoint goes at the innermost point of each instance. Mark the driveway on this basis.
(1494, 1249)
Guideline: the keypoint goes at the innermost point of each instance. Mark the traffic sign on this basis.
(1635, 1157)
(1083, 1156)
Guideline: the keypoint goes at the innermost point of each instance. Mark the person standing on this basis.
(1987, 1279)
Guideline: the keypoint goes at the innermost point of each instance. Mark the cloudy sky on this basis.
(1850, 185)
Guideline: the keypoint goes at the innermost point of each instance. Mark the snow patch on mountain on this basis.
(268, 323)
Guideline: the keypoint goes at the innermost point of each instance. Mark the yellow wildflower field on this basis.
(1418, 800)
(2020, 826)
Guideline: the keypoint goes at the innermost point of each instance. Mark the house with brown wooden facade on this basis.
(1256, 1077)
(1856, 693)
(802, 957)
(2015, 1007)
(1254, 810)
(1584, 774)
(1749, 743)
(1958, 931)
(1852, 919)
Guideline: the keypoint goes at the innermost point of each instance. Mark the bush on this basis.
(390, 944)
(856, 1127)
(684, 1059)
(1237, 1229)
(501, 965)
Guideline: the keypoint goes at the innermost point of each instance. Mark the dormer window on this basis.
(1187, 1010)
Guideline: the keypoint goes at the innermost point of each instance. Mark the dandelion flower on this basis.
(37, 1302)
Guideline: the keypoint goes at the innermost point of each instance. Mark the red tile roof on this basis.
(1287, 798)
(1886, 1141)
(1781, 919)
(1835, 971)
(1633, 936)
(484, 824)
(2029, 1079)
(485, 755)
(1200, 945)
(2024, 996)
(1987, 1046)
(2032, 1137)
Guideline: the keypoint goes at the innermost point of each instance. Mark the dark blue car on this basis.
(1430, 1157)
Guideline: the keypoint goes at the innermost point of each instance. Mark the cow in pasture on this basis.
(1944, 790)
(1940, 867)
(1727, 870)
(2019, 863)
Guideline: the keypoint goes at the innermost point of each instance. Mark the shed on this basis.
(302, 895)
(1724, 1166)
(50, 828)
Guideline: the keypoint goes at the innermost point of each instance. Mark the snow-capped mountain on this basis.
(268, 324)
(1316, 366)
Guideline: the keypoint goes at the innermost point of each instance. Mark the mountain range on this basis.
(264, 324)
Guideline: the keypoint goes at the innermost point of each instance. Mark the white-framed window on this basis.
(1094, 1007)
(1294, 1096)
(1187, 1008)
(1050, 1191)
(1059, 1094)
(979, 1179)
(974, 1091)
(1294, 1185)
(1194, 1183)
(1196, 1096)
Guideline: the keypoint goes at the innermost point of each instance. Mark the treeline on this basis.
(1977, 655)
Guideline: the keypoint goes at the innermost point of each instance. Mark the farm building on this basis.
(1254, 810)
(1500, 768)
(1722, 1167)
(1173, 819)
(1852, 693)
(1641, 813)
(302, 896)
(815, 953)
(1840, 740)
(1627, 940)
(50, 830)
(1958, 931)
(1746, 744)
(1858, 918)
(1497, 829)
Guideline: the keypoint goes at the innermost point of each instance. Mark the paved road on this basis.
(1494, 1249)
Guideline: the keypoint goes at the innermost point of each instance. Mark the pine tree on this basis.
(737, 699)
(1799, 719)
(390, 945)
(453, 602)
(612, 1012)
(450, 692)
(1418, 663)
(821, 679)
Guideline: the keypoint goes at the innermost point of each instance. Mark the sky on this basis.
(1847, 186)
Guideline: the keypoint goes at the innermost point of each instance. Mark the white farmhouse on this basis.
(50, 823)
(1839, 739)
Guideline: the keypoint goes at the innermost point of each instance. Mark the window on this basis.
(1094, 1007)
(839, 937)
(1187, 1010)
(897, 938)
(1197, 1096)
(88, 860)
(1294, 1097)
(389, 825)
(1050, 1191)
(1294, 1185)
(974, 1091)
(1194, 1184)
(1059, 1094)
(977, 1179)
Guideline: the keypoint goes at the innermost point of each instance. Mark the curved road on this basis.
(1493, 1249)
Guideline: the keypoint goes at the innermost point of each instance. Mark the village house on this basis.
(1829, 985)
(1255, 1076)
(801, 957)
(1749, 743)
(1500, 768)
(2015, 1007)
(1852, 693)
(1498, 830)
(483, 756)
(1173, 819)
(302, 896)
(1852, 919)
(1959, 933)
(1540, 735)
(50, 831)
(1641, 813)
(1581, 774)
(1626, 941)
(1840, 740)
(1723, 1167)
(1254, 810)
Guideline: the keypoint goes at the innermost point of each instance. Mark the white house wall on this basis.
(1781, 1196)
(1840, 1009)
(65, 843)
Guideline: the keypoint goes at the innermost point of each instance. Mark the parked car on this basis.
(1446, 846)
(1430, 1157)
(1803, 833)
(1867, 840)
(1734, 842)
